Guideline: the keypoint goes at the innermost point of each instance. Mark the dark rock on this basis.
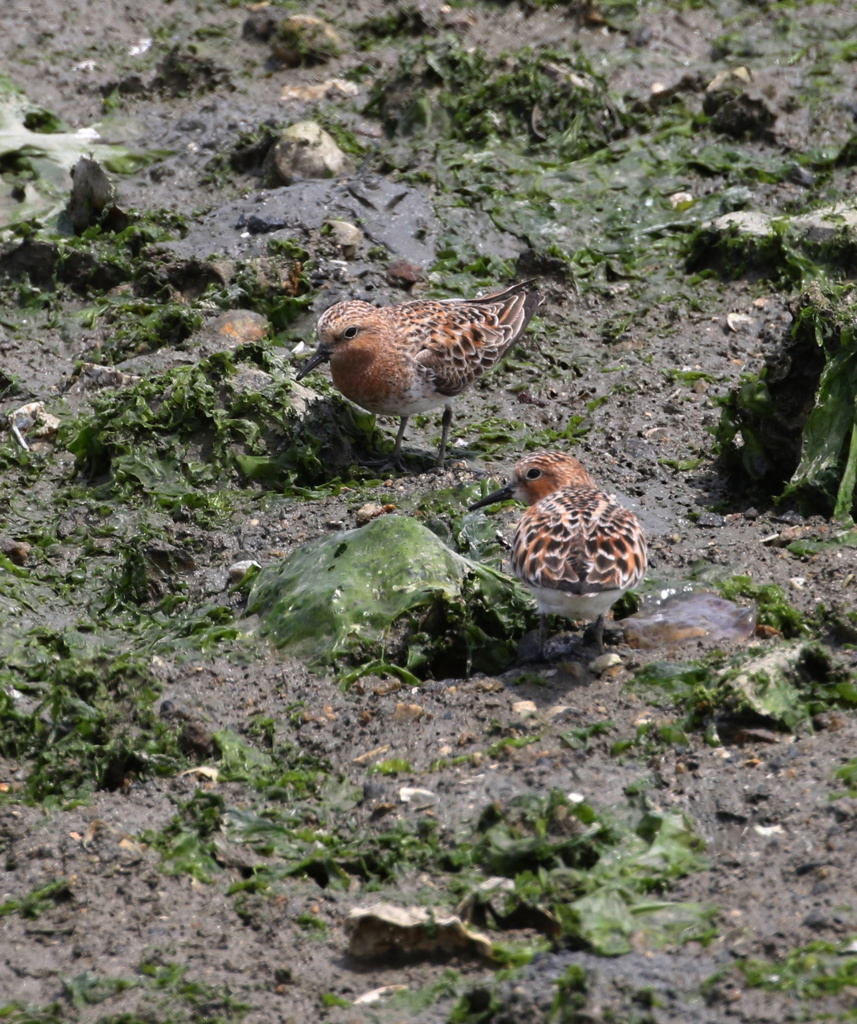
(260, 24)
(195, 740)
(403, 274)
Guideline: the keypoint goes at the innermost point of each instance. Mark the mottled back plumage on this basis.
(581, 541)
(576, 548)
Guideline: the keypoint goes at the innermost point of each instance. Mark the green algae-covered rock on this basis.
(234, 417)
(393, 592)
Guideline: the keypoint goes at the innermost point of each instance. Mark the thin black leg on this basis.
(599, 633)
(397, 451)
(445, 422)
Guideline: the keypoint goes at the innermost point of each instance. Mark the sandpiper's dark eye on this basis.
(349, 332)
(533, 473)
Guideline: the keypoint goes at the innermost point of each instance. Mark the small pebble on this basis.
(17, 551)
(408, 713)
(557, 709)
(368, 512)
(604, 662)
(347, 236)
(239, 570)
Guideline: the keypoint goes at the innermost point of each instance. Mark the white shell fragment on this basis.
(604, 662)
(31, 420)
(384, 927)
(737, 321)
(418, 797)
(377, 994)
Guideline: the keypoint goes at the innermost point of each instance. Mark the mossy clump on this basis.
(81, 723)
(792, 429)
(235, 418)
(550, 99)
(391, 591)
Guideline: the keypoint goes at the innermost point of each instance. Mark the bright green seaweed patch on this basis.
(393, 591)
(146, 325)
(37, 902)
(596, 873)
(772, 607)
(186, 845)
(231, 418)
(847, 773)
(795, 424)
(809, 546)
(787, 683)
(81, 724)
(319, 843)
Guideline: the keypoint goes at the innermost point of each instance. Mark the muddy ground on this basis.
(121, 926)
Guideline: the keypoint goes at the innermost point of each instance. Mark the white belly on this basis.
(408, 405)
(574, 606)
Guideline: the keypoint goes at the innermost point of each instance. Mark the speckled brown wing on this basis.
(465, 339)
(581, 541)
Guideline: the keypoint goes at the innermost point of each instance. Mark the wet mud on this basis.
(134, 883)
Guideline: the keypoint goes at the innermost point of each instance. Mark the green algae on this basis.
(630, 246)
(772, 250)
(81, 724)
(145, 326)
(580, 737)
(395, 766)
(809, 546)
(90, 989)
(786, 683)
(37, 902)
(537, 142)
(599, 191)
(166, 994)
(545, 95)
(186, 845)
(773, 609)
(847, 773)
(339, 599)
(227, 419)
(597, 873)
(274, 286)
(793, 428)
(811, 976)
(329, 852)
(595, 870)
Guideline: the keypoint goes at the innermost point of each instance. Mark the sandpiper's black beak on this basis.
(491, 499)
(321, 356)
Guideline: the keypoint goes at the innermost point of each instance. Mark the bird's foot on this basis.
(594, 634)
(532, 648)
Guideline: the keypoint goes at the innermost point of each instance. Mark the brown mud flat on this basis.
(119, 935)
